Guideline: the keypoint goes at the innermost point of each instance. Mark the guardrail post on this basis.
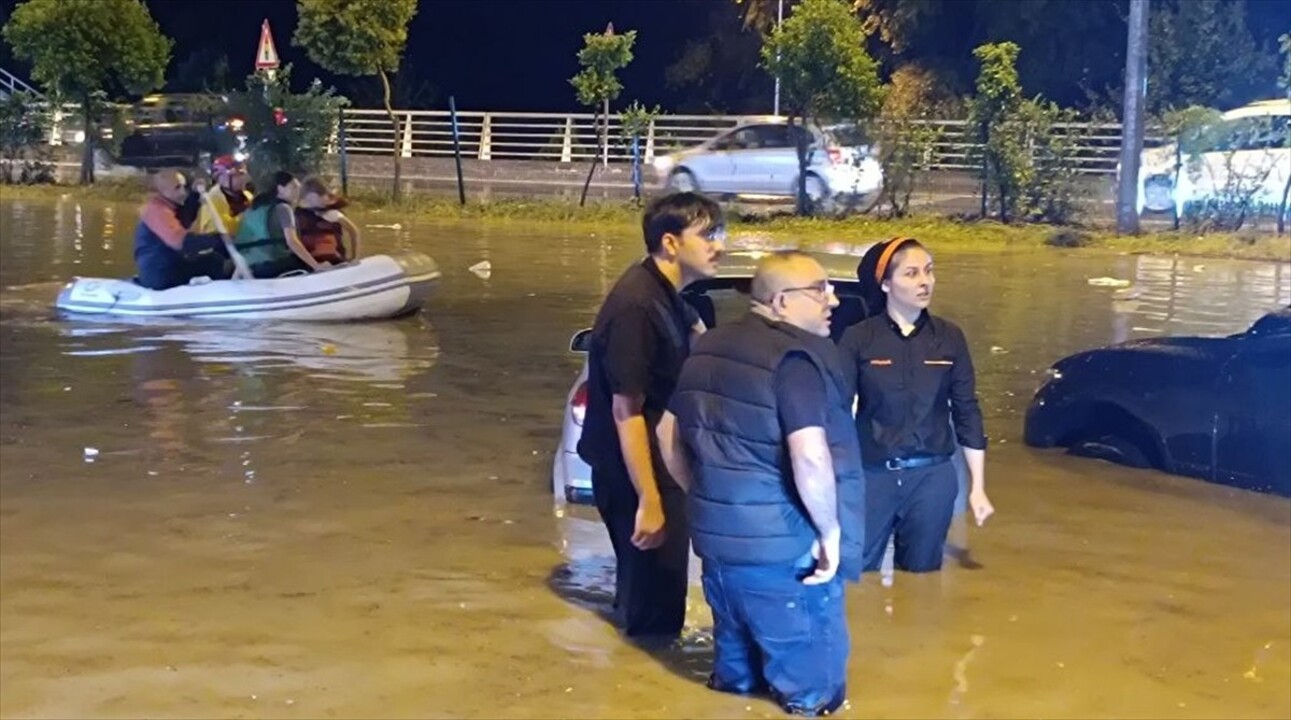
(649, 148)
(567, 142)
(486, 138)
(406, 149)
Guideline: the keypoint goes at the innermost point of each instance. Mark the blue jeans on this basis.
(770, 631)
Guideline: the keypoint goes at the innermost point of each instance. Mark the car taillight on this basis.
(578, 403)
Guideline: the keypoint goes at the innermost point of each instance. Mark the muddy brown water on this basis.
(287, 520)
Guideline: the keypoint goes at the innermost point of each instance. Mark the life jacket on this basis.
(259, 239)
(323, 238)
(229, 207)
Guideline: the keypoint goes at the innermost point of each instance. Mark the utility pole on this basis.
(1127, 193)
(779, 18)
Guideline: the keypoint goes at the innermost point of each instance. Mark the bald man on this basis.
(166, 254)
(760, 433)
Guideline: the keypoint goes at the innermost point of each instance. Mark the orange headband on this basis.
(882, 268)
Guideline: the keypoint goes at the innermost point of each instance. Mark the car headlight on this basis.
(663, 164)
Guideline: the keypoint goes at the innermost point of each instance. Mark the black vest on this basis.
(744, 506)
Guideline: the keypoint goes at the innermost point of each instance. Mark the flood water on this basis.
(305, 521)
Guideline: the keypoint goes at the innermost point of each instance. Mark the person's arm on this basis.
(165, 224)
(287, 220)
(348, 227)
(673, 450)
(800, 404)
(628, 343)
(966, 414)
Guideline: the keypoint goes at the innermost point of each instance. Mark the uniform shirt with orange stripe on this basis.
(911, 387)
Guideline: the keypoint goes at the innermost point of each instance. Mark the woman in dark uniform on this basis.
(917, 397)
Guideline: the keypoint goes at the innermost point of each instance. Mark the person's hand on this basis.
(826, 551)
(649, 532)
(981, 506)
(323, 265)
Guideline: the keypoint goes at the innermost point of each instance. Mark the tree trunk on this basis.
(800, 197)
(1127, 206)
(398, 137)
(605, 133)
(87, 157)
(1282, 208)
(591, 169)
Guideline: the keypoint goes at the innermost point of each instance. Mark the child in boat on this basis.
(322, 225)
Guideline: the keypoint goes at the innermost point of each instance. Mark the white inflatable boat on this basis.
(380, 286)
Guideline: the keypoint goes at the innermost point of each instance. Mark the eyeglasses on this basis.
(823, 289)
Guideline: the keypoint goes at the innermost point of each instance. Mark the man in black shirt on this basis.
(760, 433)
(917, 396)
(641, 337)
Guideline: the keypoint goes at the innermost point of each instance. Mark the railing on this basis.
(10, 84)
(569, 138)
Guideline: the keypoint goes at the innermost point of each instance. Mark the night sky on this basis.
(498, 54)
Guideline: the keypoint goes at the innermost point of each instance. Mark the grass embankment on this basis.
(939, 232)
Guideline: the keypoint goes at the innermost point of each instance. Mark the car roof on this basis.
(840, 266)
(1261, 108)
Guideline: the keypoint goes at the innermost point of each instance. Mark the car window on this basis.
(773, 136)
(739, 139)
(848, 136)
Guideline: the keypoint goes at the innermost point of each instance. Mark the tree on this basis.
(285, 130)
(992, 114)
(359, 37)
(84, 49)
(603, 55)
(636, 121)
(1201, 52)
(596, 84)
(906, 140)
(819, 55)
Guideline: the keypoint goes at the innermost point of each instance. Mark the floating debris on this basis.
(1108, 282)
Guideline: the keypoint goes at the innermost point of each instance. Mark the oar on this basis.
(240, 267)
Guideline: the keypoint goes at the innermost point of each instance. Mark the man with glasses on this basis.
(759, 433)
(166, 253)
(641, 336)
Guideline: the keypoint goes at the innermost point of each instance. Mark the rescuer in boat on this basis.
(166, 254)
(229, 198)
(268, 238)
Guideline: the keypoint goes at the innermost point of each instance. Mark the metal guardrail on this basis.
(10, 84)
(574, 137)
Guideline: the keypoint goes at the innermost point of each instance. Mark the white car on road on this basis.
(718, 300)
(1246, 155)
(760, 159)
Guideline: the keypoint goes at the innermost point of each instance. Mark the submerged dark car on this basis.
(1218, 409)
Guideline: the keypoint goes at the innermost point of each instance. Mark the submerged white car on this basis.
(718, 300)
(760, 159)
(1247, 155)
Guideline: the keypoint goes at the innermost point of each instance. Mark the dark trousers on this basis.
(770, 631)
(164, 270)
(914, 505)
(650, 585)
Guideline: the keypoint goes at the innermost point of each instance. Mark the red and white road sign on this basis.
(266, 54)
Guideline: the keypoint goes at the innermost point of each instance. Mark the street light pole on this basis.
(779, 18)
(1127, 211)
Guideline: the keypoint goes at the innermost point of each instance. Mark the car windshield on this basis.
(1249, 133)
